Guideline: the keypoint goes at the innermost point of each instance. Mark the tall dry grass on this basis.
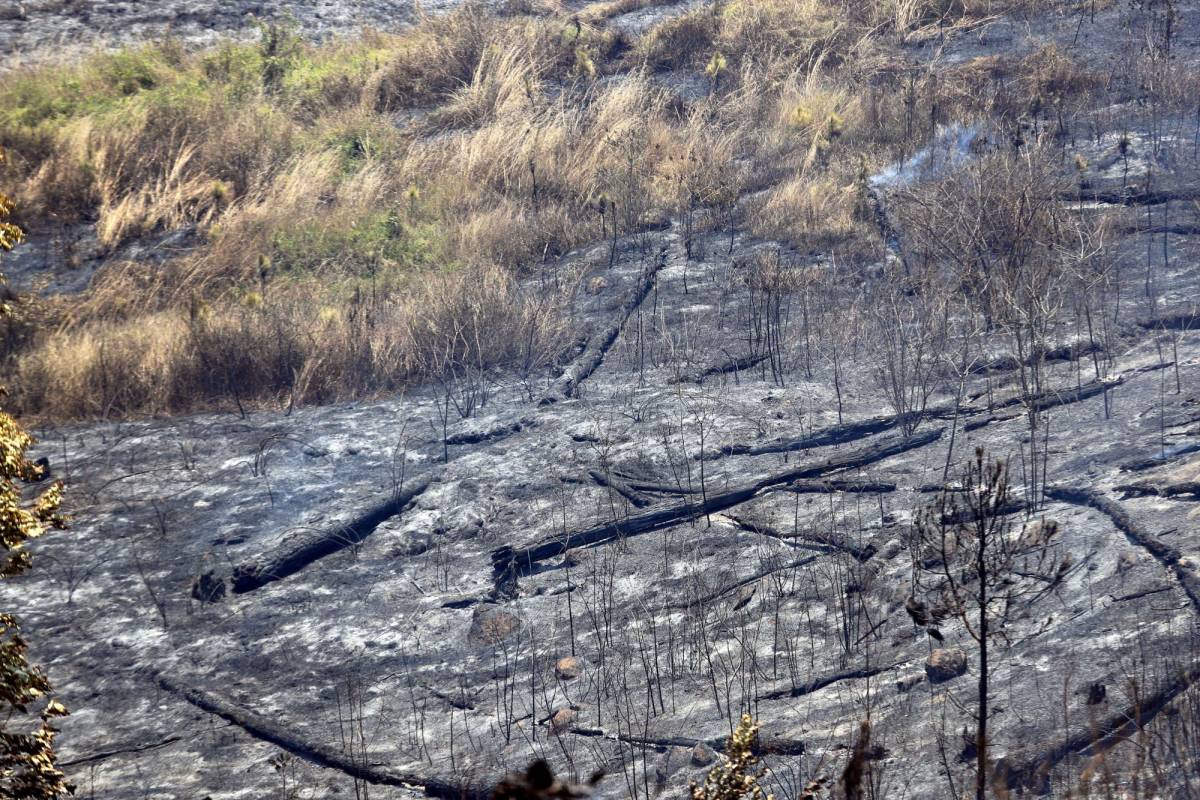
(292, 347)
(467, 149)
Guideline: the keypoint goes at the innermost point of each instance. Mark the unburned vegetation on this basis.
(341, 216)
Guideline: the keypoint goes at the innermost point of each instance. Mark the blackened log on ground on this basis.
(1092, 738)
(733, 587)
(104, 755)
(1043, 401)
(269, 730)
(735, 365)
(826, 542)
(1052, 398)
(491, 434)
(762, 529)
(510, 561)
(820, 682)
(836, 434)
(983, 422)
(1165, 554)
(850, 487)
(1140, 464)
(763, 745)
(1186, 319)
(598, 345)
(618, 486)
(1188, 490)
(640, 484)
(302, 549)
(1133, 195)
(1066, 352)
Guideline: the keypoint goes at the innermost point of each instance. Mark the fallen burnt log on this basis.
(302, 549)
(104, 755)
(618, 486)
(1044, 401)
(1187, 319)
(763, 745)
(853, 431)
(820, 682)
(825, 437)
(1052, 398)
(1164, 553)
(1092, 739)
(1140, 464)
(830, 487)
(1188, 490)
(641, 483)
(507, 561)
(734, 365)
(733, 587)
(269, 730)
(1133, 195)
(1053, 355)
(762, 529)
(491, 434)
(824, 541)
(598, 345)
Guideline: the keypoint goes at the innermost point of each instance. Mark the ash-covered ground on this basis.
(39, 29)
(416, 652)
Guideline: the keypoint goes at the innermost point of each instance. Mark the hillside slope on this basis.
(698, 496)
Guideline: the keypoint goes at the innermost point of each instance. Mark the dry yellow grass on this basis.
(289, 348)
(456, 155)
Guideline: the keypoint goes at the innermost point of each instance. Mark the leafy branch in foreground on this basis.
(28, 767)
(738, 776)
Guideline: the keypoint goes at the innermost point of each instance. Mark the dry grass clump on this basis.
(795, 34)
(287, 348)
(440, 55)
(819, 213)
(684, 41)
(303, 197)
(476, 145)
(472, 63)
(803, 31)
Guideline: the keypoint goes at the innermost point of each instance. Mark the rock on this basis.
(562, 720)
(945, 664)
(12, 11)
(1039, 533)
(891, 549)
(208, 588)
(568, 667)
(703, 755)
(491, 625)
(905, 683)
(411, 544)
(43, 469)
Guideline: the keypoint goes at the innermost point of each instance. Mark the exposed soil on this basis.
(38, 29)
